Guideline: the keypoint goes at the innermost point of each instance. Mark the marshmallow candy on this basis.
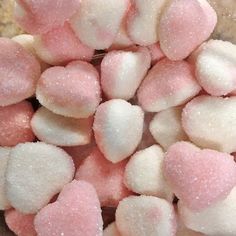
(35, 173)
(106, 177)
(118, 127)
(145, 215)
(76, 212)
(59, 130)
(123, 71)
(143, 173)
(15, 124)
(20, 224)
(19, 72)
(199, 178)
(97, 22)
(71, 91)
(4, 157)
(37, 17)
(216, 67)
(181, 32)
(216, 220)
(156, 53)
(167, 84)
(60, 46)
(210, 122)
(166, 127)
(111, 230)
(143, 21)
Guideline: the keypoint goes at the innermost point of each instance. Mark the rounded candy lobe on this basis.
(111, 230)
(15, 124)
(71, 91)
(35, 173)
(20, 71)
(76, 212)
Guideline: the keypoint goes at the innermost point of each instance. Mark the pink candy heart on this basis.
(198, 177)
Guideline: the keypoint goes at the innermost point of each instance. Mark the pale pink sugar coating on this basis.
(118, 128)
(111, 230)
(60, 130)
(199, 178)
(216, 220)
(35, 173)
(145, 215)
(71, 91)
(143, 21)
(79, 153)
(60, 46)
(144, 175)
(4, 157)
(15, 124)
(37, 17)
(181, 32)
(156, 53)
(106, 177)
(166, 127)
(27, 41)
(167, 84)
(123, 71)
(19, 72)
(76, 212)
(20, 224)
(97, 22)
(216, 67)
(210, 122)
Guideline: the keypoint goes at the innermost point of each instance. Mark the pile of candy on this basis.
(148, 129)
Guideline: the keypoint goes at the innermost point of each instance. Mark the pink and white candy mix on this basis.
(147, 123)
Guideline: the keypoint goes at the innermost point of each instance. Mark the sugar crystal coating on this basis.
(145, 215)
(35, 173)
(118, 127)
(106, 177)
(20, 71)
(199, 178)
(15, 124)
(71, 91)
(59, 130)
(20, 224)
(76, 212)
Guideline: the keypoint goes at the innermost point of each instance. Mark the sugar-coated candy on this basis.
(118, 127)
(143, 21)
(216, 220)
(145, 215)
(166, 85)
(20, 71)
(71, 91)
(144, 175)
(106, 177)
(15, 124)
(20, 224)
(156, 53)
(76, 212)
(184, 25)
(123, 71)
(216, 67)
(28, 42)
(111, 230)
(199, 178)
(37, 17)
(97, 22)
(4, 157)
(210, 122)
(59, 130)
(60, 46)
(35, 173)
(166, 127)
